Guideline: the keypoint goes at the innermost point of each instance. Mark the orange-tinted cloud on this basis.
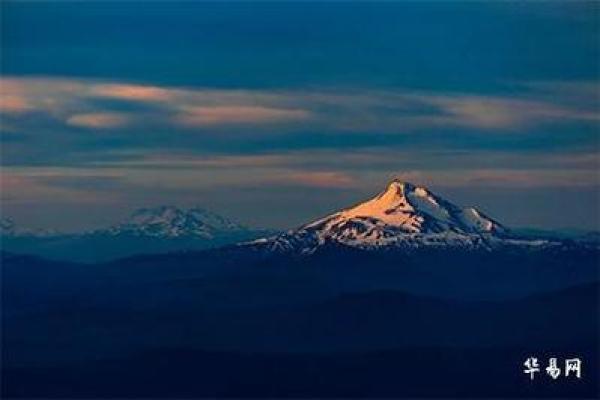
(199, 116)
(132, 92)
(502, 177)
(35, 186)
(98, 120)
(323, 179)
(14, 104)
(399, 111)
(51, 96)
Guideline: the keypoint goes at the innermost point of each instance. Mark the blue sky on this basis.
(276, 113)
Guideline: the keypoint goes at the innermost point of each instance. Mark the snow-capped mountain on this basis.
(402, 215)
(147, 231)
(173, 222)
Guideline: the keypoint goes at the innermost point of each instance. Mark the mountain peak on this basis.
(398, 182)
(414, 209)
(396, 192)
(402, 214)
(395, 188)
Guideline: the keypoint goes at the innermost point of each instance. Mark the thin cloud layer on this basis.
(14, 104)
(132, 92)
(198, 144)
(323, 179)
(106, 120)
(399, 111)
(497, 113)
(234, 115)
(313, 183)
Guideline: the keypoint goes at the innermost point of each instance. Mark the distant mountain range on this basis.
(148, 230)
(158, 222)
(403, 216)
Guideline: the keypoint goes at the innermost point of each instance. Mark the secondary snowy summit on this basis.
(173, 222)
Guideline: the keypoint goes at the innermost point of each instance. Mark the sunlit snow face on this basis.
(402, 208)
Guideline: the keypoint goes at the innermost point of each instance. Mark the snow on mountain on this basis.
(402, 215)
(173, 222)
(7, 226)
(405, 208)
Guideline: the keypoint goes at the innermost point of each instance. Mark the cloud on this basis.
(113, 184)
(504, 113)
(374, 164)
(98, 120)
(329, 110)
(40, 94)
(132, 92)
(183, 160)
(321, 179)
(58, 186)
(233, 115)
(503, 178)
(574, 93)
(358, 168)
(14, 104)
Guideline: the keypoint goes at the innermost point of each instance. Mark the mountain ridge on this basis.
(159, 221)
(153, 230)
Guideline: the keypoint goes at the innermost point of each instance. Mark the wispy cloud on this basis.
(504, 113)
(234, 115)
(503, 178)
(132, 92)
(99, 120)
(329, 169)
(323, 179)
(62, 186)
(329, 110)
(376, 160)
(14, 104)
